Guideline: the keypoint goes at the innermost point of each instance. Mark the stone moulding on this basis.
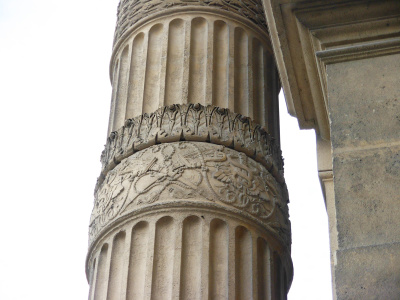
(132, 11)
(192, 122)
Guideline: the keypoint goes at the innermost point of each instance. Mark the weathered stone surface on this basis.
(371, 273)
(367, 197)
(365, 101)
(364, 110)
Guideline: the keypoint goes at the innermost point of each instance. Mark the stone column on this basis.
(191, 202)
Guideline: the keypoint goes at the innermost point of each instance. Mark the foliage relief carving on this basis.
(193, 122)
(191, 172)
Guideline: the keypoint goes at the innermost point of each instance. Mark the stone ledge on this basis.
(192, 122)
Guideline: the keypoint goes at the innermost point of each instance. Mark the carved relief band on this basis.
(193, 123)
(192, 171)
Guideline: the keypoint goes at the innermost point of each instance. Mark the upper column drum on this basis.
(179, 52)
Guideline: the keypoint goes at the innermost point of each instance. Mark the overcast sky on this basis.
(55, 99)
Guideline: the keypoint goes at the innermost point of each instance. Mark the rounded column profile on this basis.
(189, 220)
(191, 202)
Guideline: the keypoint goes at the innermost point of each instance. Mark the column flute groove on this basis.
(92, 279)
(148, 278)
(186, 62)
(231, 68)
(113, 97)
(232, 263)
(176, 284)
(250, 78)
(209, 63)
(125, 264)
(115, 288)
(164, 59)
(205, 259)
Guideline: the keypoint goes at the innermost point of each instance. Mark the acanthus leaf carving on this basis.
(193, 122)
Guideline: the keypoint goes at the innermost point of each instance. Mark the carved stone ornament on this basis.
(131, 11)
(203, 173)
(193, 122)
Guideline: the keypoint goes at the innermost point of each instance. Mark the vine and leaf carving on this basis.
(192, 122)
(191, 172)
(131, 11)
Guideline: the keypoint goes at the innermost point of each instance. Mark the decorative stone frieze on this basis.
(131, 11)
(196, 172)
(193, 122)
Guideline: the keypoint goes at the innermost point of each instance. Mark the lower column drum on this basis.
(189, 220)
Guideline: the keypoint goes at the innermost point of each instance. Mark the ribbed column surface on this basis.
(195, 58)
(191, 202)
(185, 255)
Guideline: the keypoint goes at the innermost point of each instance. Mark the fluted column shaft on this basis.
(182, 254)
(191, 202)
(195, 57)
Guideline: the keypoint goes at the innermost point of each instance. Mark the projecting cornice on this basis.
(308, 35)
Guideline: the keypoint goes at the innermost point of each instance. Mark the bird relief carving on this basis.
(186, 171)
